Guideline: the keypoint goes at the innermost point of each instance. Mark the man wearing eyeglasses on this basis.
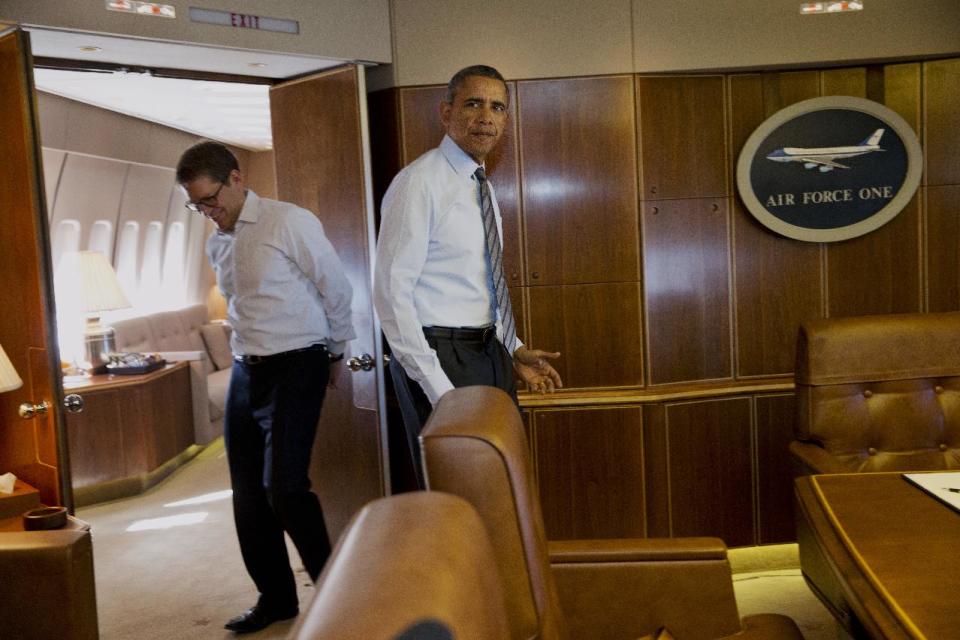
(288, 302)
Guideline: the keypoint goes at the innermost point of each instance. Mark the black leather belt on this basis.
(254, 359)
(471, 334)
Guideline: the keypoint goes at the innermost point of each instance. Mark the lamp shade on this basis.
(96, 284)
(9, 380)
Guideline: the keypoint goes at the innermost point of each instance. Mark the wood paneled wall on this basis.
(633, 255)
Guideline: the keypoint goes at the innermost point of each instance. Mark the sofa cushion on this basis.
(218, 344)
(217, 383)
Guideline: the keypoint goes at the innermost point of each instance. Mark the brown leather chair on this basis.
(878, 393)
(474, 446)
(416, 565)
(46, 584)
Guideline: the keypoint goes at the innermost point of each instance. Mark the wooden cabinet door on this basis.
(35, 449)
(320, 143)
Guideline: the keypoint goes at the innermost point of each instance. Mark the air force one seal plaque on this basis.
(829, 169)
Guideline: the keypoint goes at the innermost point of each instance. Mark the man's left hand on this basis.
(334, 373)
(533, 367)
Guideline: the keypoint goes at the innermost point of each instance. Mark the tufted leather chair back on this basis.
(879, 393)
(486, 462)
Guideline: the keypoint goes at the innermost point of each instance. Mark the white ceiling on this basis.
(234, 113)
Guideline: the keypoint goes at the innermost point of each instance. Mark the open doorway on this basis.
(352, 451)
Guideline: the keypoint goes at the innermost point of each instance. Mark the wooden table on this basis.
(883, 555)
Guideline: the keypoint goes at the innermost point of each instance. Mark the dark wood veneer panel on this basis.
(851, 81)
(710, 470)
(943, 250)
(595, 327)
(590, 468)
(682, 141)
(775, 417)
(777, 280)
(878, 272)
(577, 141)
(941, 139)
(686, 289)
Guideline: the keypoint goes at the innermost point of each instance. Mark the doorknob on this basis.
(29, 410)
(73, 403)
(364, 362)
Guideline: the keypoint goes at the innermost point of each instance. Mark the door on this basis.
(33, 449)
(322, 164)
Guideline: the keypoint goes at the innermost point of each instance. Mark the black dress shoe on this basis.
(256, 618)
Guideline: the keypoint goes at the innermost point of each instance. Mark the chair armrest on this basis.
(810, 459)
(619, 589)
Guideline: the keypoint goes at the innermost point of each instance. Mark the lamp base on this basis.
(99, 343)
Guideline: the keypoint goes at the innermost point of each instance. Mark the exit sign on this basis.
(244, 21)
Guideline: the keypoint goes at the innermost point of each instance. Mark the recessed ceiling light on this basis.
(257, 65)
(90, 49)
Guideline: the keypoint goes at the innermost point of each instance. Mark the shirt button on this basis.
(943, 447)
(867, 393)
(872, 451)
(938, 389)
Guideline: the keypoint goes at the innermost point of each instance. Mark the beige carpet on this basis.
(183, 581)
(166, 570)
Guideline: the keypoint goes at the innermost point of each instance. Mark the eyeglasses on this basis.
(209, 201)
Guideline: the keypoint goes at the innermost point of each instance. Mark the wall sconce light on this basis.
(95, 288)
(9, 380)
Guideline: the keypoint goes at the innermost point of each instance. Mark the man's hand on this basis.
(533, 367)
(335, 367)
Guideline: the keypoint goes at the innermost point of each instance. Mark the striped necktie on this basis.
(495, 261)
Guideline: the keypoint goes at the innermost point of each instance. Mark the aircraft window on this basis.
(101, 237)
(150, 271)
(126, 261)
(174, 289)
(66, 237)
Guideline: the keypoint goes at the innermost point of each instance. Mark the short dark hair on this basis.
(475, 70)
(207, 158)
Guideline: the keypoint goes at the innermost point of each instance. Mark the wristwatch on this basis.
(335, 358)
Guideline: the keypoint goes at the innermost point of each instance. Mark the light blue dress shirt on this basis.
(283, 282)
(431, 265)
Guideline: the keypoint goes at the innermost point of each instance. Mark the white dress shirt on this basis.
(283, 282)
(431, 265)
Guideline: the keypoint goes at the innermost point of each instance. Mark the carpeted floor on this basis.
(168, 565)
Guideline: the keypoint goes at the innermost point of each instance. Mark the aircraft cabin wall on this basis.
(110, 187)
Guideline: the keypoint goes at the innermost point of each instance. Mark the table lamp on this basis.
(9, 380)
(98, 290)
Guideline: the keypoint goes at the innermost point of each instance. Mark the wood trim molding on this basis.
(580, 397)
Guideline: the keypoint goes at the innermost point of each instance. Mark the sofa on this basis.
(187, 334)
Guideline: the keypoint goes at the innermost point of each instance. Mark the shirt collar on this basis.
(251, 208)
(462, 163)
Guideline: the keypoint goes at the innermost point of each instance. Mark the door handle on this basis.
(364, 362)
(28, 410)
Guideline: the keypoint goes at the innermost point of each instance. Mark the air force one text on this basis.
(823, 157)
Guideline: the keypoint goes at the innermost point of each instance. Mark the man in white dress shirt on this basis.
(288, 302)
(435, 287)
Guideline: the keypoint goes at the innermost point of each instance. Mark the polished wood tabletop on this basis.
(881, 553)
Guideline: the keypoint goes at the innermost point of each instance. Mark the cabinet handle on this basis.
(73, 403)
